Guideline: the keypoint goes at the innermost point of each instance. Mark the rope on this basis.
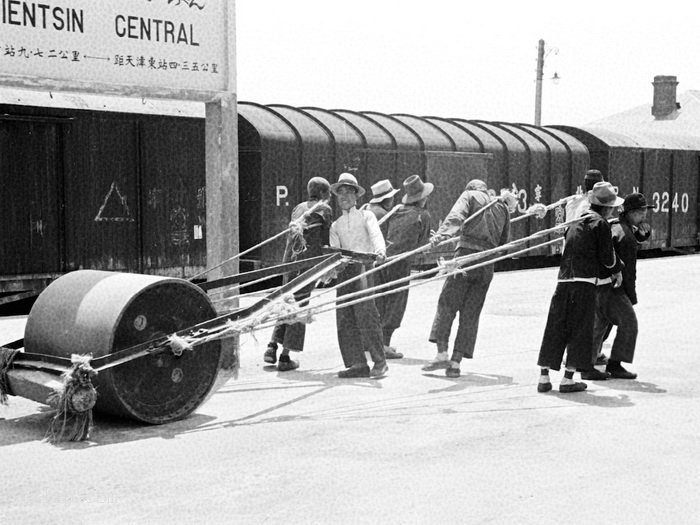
(292, 224)
(367, 293)
(388, 214)
(535, 209)
(74, 401)
(316, 310)
(289, 311)
(7, 355)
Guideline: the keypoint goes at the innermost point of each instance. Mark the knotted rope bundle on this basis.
(74, 401)
(7, 355)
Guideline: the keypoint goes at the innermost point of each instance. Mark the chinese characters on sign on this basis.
(148, 63)
(169, 44)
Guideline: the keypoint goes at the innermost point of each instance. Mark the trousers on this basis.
(358, 326)
(463, 293)
(615, 308)
(392, 307)
(569, 328)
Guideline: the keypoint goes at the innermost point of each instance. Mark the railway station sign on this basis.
(172, 48)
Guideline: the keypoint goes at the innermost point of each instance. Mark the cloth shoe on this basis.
(379, 370)
(287, 364)
(572, 387)
(619, 372)
(594, 375)
(354, 371)
(271, 353)
(602, 359)
(391, 353)
(437, 364)
(544, 387)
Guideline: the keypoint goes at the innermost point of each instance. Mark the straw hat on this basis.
(382, 190)
(347, 179)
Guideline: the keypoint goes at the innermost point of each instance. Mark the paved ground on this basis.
(307, 447)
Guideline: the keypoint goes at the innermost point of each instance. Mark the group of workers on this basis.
(595, 286)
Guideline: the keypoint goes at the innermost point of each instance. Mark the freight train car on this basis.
(88, 182)
(281, 147)
(665, 167)
(111, 184)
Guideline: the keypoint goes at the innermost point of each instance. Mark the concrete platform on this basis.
(307, 447)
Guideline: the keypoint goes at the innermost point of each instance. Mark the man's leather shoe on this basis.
(287, 364)
(452, 371)
(391, 353)
(354, 371)
(544, 387)
(594, 375)
(379, 370)
(271, 354)
(573, 387)
(621, 373)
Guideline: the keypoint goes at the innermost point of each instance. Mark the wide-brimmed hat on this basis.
(382, 190)
(416, 189)
(604, 194)
(347, 179)
(635, 201)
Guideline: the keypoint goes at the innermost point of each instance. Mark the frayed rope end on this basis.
(73, 401)
(7, 355)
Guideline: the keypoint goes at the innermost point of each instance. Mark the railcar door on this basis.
(30, 188)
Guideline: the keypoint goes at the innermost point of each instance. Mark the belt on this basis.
(593, 280)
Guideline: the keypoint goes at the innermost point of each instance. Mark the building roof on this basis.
(683, 121)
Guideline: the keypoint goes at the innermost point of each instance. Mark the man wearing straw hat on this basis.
(311, 222)
(588, 261)
(382, 202)
(465, 293)
(357, 325)
(408, 228)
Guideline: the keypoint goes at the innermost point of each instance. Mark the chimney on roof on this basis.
(664, 96)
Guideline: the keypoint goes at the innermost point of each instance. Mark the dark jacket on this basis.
(490, 230)
(409, 228)
(588, 251)
(626, 243)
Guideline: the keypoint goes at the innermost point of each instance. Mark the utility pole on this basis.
(538, 83)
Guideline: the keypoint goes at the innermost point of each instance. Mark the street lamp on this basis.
(541, 56)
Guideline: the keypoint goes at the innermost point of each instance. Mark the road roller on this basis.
(143, 347)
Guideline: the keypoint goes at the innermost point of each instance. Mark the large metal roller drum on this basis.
(100, 313)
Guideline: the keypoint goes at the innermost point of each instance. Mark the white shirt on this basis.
(357, 231)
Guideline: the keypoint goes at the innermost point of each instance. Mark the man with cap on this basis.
(579, 203)
(465, 293)
(357, 325)
(382, 201)
(615, 305)
(588, 261)
(311, 221)
(408, 228)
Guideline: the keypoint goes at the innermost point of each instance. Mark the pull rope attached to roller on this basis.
(294, 225)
